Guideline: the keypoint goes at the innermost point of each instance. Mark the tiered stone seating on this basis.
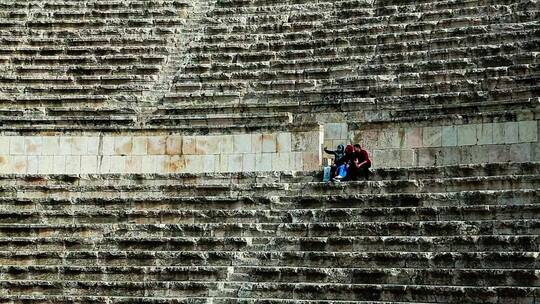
(87, 61)
(443, 56)
(424, 235)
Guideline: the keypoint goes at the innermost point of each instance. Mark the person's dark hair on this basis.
(357, 146)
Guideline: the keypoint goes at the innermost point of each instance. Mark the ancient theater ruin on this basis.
(171, 151)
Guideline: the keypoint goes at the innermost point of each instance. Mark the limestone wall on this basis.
(433, 144)
(106, 153)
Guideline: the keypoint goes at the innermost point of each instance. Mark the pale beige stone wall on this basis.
(438, 145)
(99, 153)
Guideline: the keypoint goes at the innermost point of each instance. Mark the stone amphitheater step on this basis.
(409, 245)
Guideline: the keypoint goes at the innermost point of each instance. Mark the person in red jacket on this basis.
(360, 164)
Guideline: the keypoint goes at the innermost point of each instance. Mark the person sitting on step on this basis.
(338, 153)
(342, 164)
(360, 164)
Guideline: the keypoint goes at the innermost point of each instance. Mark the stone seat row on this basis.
(494, 258)
(452, 277)
(372, 25)
(275, 291)
(77, 214)
(387, 53)
(322, 68)
(100, 51)
(314, 233)
(481, 201)
(395, 85)
(355, 98)
(447, 40)
(314, 15)
(100, 40)
(276, 189)
(226, 179)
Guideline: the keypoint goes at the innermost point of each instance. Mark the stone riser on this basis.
(455, 277)
(374, 292)
(134, 244)
(352, 229)
(497, 259)
(276, 189)
(74, 214)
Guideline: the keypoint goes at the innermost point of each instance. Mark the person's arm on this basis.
(329, 151)
(366, 159)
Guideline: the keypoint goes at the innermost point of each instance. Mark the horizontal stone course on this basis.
(160, 153)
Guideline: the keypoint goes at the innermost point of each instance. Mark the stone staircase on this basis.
(450, 234)
(140, 63)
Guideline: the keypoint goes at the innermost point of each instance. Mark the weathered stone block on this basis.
(156, 145)
(189, 145)
(223, 163)
(32, 164)
(368, 138)
(528, 131)
(123, 145)
(388, 158)
(174, 145)
(311, 161)
(208, 145)
(176, 164)
(498, 133)
(18, 164)
(242, 143)
(46, 164)
(139, 145)
(413, 137)
(148, 164)
(256, 143)
(104, 164)
(92, 145)
(89, 164)
(226, 144)
(248, 162)
(134, 164)
(499, 153)
(484, 133)
(235, 162)
(79, 145)
(449, 136)
(296, 161)
(432, 136)
(520, 152)
(50, 145)
(263, 162)
(33, 145)
(450, 155)
(466, 135)
(281, 161)
(73, 164)
(59, 164)
(269, 143)
(107, 145)
(4, 145)
(16, 145)
(118, 164)
(511, 132)
(389, 138)
(429, 157)
(335, 131)
(305, 141)
(408, 158)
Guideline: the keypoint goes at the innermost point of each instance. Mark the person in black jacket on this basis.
(338, 153)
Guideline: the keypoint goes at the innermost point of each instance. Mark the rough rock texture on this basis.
(151, 64)
(430, 235)
(424, 84)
